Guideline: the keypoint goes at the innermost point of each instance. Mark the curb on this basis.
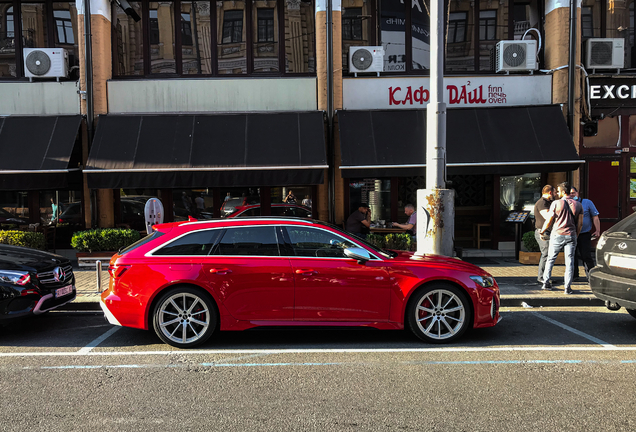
(556, 301)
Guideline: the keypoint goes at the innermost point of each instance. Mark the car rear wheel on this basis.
(632, 312)
(185, 317)
(439, 313)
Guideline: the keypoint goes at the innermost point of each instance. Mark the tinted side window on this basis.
(249, 241)
(312, 242)
(301, 212)
(283, 211)
(196, 243)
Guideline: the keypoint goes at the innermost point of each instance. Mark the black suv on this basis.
(33, 282)
(614, 277)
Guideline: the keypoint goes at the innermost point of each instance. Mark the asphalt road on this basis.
(540, 369)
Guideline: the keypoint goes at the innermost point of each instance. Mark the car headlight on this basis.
(15, 277)
(484, 281)
(601, 242)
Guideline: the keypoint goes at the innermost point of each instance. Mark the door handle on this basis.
(306, 272)
(222, 271)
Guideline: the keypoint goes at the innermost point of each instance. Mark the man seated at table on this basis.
(359, 221)
(410, 225)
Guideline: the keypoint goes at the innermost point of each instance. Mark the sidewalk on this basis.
(517, 284)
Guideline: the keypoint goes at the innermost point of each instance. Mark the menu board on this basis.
(519, 216)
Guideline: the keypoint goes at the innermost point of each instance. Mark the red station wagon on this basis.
(188, 279)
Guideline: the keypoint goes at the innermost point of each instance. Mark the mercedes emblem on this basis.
(622, 245)
(58, 274)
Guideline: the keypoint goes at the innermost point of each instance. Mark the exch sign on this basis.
(612, 92)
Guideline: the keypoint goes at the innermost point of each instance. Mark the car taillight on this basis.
(117, 271)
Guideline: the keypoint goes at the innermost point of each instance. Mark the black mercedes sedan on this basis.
(33, 282)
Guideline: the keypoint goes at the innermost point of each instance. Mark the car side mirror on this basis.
(357, 253)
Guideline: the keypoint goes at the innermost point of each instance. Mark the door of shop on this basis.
(604, 189)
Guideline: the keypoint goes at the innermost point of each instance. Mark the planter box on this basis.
(532, 258)
(89, 259)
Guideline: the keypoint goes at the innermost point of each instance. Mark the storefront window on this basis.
(54, 204)
(493, 27)
(420, 36)
(374, 192)
(231, 49)
(129, 45)
(460, 51)
(518, 193)
(265, 46)
(232, 198)
(14, 208)
(161, 25)
(632, 180)
(7, 41)
(357, 28)
(300, 25)
(196, 54)
(392, 28)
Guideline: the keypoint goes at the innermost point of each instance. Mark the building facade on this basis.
(199, 101)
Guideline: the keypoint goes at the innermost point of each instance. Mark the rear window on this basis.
(627, 225)
(140, 242)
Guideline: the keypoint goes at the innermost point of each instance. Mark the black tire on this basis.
(185, 326)
(632, 312)
(447, 316)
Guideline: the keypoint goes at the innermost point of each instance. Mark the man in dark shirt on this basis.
(540, 212)
(359, 220)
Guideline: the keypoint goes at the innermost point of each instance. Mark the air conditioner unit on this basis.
(605, 53)
(366, 59)
(516, 56)
(45, 63)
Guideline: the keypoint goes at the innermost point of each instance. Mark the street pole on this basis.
(435, 204)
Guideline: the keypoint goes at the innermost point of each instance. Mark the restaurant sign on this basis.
(414, 92)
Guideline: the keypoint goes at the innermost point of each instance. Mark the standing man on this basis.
(584, 241)
(410, 225)
(541, 208)
(359, 220)
(565, 217)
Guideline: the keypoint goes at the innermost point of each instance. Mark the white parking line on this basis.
(88, 348)
(577, 332)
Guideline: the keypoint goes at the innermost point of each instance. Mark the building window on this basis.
(225, 37)
(64, 27)
(233, 26)
(265, 24)
(487, 25)
(10, 23)
(186, 30)
(587, 22)
(457, 27)
(352, 24)
(154, 27)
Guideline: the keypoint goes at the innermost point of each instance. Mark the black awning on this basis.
(180, 151)
(503, 141)
(38, 152)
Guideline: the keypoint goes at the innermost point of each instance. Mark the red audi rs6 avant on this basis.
(189, 279)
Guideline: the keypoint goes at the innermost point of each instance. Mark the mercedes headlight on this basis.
(601, 242)
(15, 277)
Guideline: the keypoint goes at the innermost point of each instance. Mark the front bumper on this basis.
(612, 288)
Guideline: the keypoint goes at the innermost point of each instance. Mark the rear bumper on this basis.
(613, 288)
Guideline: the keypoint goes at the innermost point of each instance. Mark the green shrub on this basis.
(530, 242)
(33, 240)
(400, 241)
(103, 239)
(377, 240)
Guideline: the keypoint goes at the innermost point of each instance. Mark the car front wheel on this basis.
(439, 313)
(185, 317)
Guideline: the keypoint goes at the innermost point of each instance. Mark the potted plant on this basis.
(532, 255)
(101, 244)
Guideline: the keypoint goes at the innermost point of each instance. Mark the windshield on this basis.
(384, 253)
